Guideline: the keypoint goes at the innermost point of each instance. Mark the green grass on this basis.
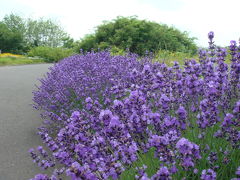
(7, 61)
(169, 57)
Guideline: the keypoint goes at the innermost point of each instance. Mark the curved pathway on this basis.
(18, 120)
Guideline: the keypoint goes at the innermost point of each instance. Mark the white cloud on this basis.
(200, 17)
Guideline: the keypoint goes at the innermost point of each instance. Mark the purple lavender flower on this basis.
(142, 175)
(212, 157)
(174, 169)
(211, 35)
(208, 174)
(117, 105)
(236, 109)
(238, 171)
(184, 146)
(105, 109)
(195, 171)
(105, 116)
(41, 177)
(228, 120)
(42, 151)
(182, 115)
(189, 152)
(114, 122)
(162, 174)
(76, 171)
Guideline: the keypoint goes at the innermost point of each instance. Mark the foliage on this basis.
(114, 117)
(44, 33)
(116, 51)
(50, 54)
(32, 33)
(15, 23)
(68, 42)
(138, 36)
(10, 41)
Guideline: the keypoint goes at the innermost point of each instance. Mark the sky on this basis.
(81, 17)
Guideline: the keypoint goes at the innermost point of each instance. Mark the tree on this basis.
(10, 41)
(138, 36)
(68, 42)
(44, 33)
(15, 23)
(35, 33)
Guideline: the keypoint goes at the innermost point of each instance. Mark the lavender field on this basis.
(126, 117)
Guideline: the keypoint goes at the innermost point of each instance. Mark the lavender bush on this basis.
(117, 117)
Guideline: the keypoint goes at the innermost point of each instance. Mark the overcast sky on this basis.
(80, 17)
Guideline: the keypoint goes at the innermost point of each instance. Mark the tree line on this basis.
(20, 35)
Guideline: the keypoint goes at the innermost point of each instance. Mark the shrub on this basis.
(138, 36)
(113, 117)
(81, 76)
(50, 54)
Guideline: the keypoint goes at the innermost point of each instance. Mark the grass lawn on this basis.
(5, 61)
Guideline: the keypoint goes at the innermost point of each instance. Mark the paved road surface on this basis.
(18, 121)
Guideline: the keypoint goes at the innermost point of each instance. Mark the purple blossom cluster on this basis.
(208, 174)
(188, 152)
(81, 76)
(162, 174)
(101, 112)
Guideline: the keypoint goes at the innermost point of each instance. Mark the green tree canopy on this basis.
(40, 32)
(10, 41)
(138, 36)
(44, 33)
(15, 23)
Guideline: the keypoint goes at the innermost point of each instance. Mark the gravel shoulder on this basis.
(18, 120)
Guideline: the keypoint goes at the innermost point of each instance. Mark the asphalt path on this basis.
(18, 120)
